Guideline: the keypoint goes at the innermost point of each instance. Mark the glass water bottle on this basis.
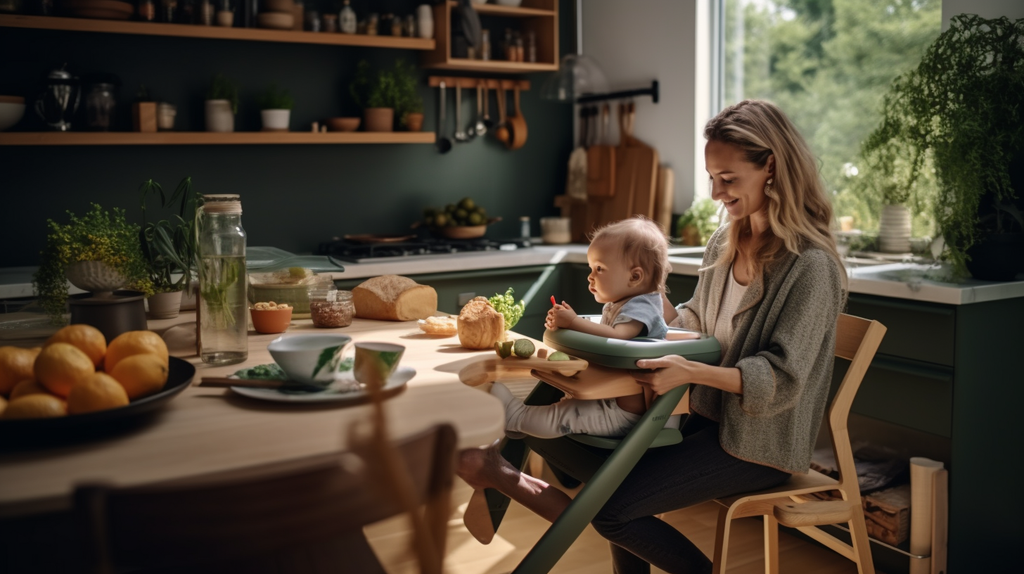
(223, 308)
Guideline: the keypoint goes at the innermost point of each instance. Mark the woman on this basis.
(770, 290)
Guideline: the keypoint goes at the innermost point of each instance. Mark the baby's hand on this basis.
(562, 315)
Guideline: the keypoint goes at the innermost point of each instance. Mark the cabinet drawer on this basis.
(915, 330)
(908, 393)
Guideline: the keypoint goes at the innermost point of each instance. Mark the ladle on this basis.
(444, 145)
(460, 134)
(502, 133)
(480, 128)
(488, 122)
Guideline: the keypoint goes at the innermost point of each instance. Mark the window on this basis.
(827, 64)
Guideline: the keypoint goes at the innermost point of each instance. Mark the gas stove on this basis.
(361, 252)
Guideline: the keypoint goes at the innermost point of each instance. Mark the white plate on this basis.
(336, 392)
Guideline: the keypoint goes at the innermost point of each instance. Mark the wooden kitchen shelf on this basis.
(211, 138)
(214, 32)
(537, 16)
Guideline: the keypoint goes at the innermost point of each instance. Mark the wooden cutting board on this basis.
(645, 178)
(665, 193)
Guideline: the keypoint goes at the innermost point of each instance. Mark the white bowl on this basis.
(12, 108)
(300, 356)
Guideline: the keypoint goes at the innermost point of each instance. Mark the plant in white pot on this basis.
(221, 105)
(169, 245)
(275, 108)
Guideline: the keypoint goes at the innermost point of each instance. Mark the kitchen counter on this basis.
(899, 280)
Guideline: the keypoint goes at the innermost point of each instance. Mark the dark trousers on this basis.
(669, 478)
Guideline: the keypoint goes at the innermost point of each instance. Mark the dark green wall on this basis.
(293, 195)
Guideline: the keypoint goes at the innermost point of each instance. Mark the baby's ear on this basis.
(636, 275)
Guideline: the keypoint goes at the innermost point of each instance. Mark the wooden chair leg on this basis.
(861, 544)
(771, 544)
(718, 561)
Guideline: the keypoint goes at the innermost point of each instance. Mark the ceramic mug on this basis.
(375, 362)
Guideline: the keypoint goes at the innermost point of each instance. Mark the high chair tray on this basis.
(624, 353)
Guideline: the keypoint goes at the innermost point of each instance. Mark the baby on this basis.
(628, 267)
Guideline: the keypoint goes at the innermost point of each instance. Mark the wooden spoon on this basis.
(502, 132)
(517, 125)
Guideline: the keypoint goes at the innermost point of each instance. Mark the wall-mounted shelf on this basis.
(211, 138)
(537, 16)
(214, 32)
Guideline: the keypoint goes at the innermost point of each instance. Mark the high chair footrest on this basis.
(664, 438)
(814, 513)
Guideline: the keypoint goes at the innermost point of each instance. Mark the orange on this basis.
(15, 365)
(87, 338)
(61, 365)
(133, 343)
(141, 375)
(28, 387)
(34, 407)
(96, 392)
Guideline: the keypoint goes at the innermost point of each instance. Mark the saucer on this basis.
(343, 389)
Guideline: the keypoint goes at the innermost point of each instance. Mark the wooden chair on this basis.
(303, 516)
(856, 341)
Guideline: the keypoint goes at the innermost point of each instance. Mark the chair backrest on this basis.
(272, 509)
(857, 340)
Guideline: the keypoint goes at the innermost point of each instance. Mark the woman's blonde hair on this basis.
(641, 243)
(799, 212)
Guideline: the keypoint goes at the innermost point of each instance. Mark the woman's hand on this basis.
(664, 374)
(560, 316)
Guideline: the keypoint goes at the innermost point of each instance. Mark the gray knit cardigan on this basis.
(784, 334)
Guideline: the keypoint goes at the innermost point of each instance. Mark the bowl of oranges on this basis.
(77, 380)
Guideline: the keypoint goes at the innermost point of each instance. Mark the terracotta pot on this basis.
(414, 121)
(379, 119)
(164, 305)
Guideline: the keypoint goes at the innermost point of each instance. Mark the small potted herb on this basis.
(275, 108)
(169, 245)
(386, 94)
(221, 105)
(98, 252)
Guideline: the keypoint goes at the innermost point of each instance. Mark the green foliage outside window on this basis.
(827, 64)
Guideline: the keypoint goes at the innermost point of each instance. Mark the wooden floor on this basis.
(590, 554)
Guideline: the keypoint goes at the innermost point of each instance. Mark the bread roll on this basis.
(394, 298)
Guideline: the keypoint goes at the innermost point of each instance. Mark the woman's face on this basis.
(610, 277)
(736, 182)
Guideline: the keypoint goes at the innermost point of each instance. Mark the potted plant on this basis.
(98, 252)
(275, 108)
(221, 105)
(386, 94)
(960, 112)
(696, 225)
(410, 103)
(169, 245)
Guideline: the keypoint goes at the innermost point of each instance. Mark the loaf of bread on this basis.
(394, 298)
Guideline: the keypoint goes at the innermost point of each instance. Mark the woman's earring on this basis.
(768, 187)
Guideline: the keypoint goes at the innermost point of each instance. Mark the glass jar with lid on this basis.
(223, 307)
(330, 307)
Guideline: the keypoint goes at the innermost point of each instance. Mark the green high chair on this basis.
(599, 369)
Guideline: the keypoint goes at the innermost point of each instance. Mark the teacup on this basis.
(375, 362)
(310, 359)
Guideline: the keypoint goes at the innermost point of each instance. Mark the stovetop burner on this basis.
(356, 252)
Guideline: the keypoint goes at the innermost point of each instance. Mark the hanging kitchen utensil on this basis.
(502, 132)
(574, 202)
(601, 161)
(460, 134)
(620, 203)
(478, 128)
(663, 200)
(444, 145)
(517, 124)
(645, 171)
(488, 122)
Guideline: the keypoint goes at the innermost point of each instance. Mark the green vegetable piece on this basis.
(509, 309)
(504, 349)
(558, 356)
(523, 348)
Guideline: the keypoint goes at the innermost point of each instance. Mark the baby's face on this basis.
(611, 278)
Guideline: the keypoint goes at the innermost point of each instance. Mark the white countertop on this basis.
(900, 280)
